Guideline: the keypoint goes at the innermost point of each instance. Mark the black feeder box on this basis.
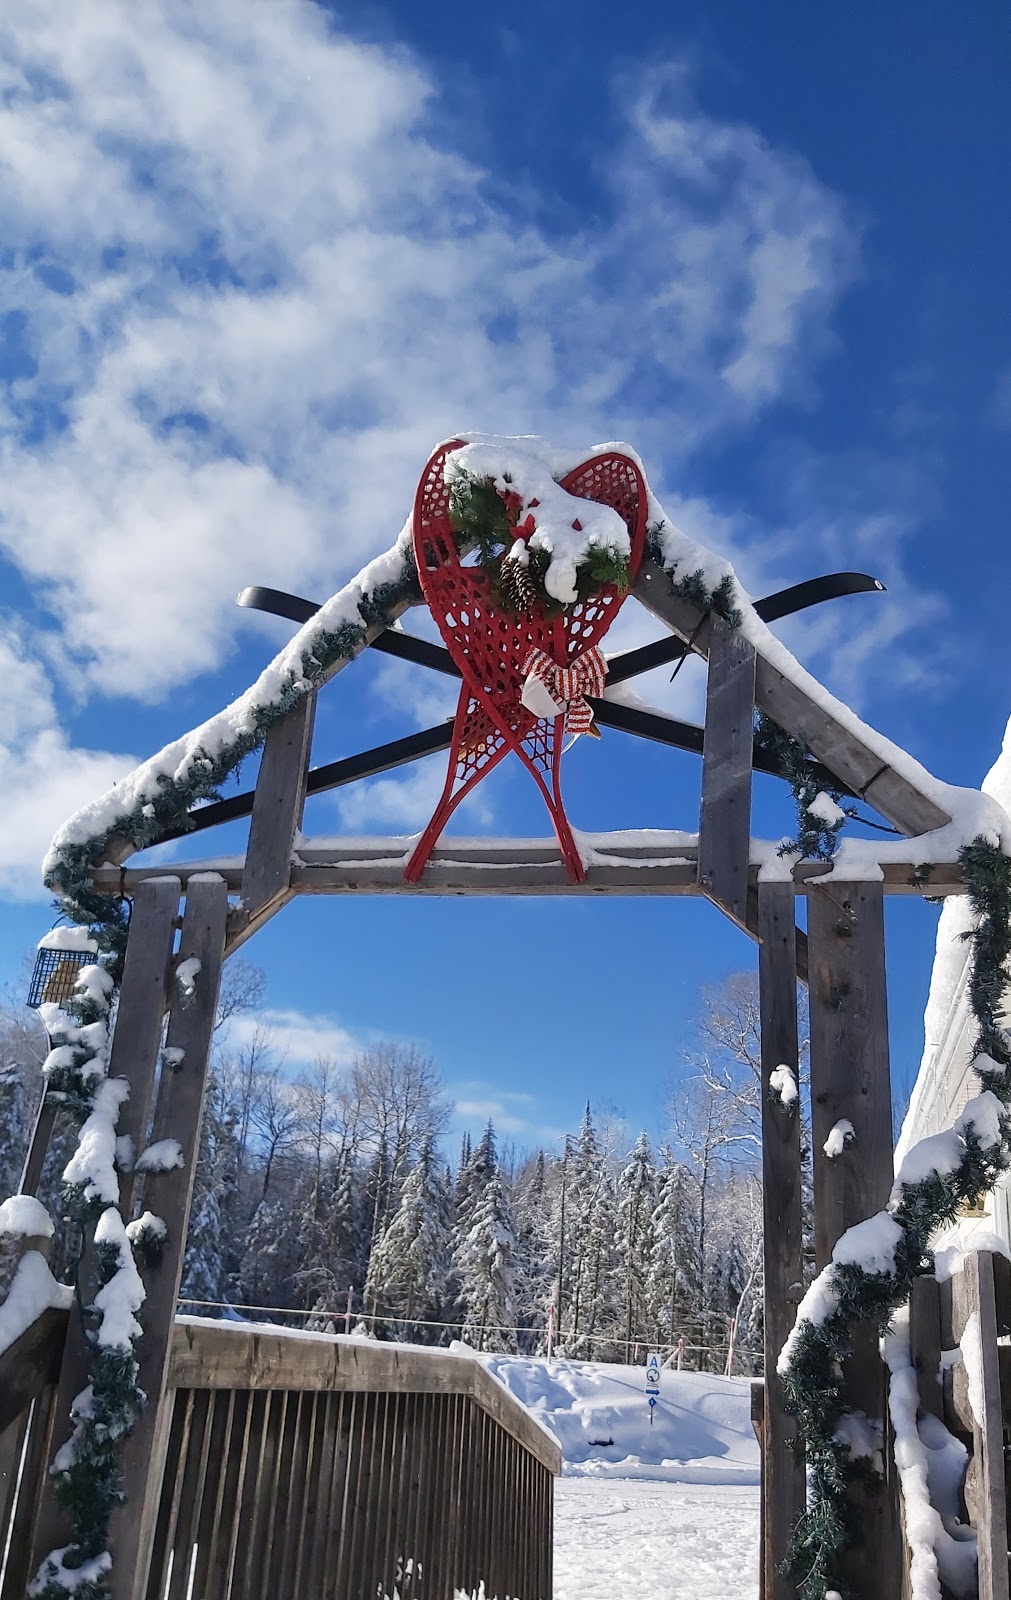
(62, 954)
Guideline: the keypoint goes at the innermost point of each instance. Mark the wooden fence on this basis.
(299, 1465)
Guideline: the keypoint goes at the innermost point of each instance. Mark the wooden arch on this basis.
(842, 957)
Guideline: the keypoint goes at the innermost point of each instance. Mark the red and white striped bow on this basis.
(550, 690)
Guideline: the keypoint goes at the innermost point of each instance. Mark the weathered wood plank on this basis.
(829, 741)
(925, 1343)
(632, 872)
(168, 1195)
(974, 1318)
(31, 1363)
(208, 1355)
(277, 809)
(850, 1079)
(783, 1490)
(725, 818)
(849, 1056)
(143, 999)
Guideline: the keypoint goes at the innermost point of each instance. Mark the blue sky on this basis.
(258, 258)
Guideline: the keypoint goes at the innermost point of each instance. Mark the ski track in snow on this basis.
(635, 1540)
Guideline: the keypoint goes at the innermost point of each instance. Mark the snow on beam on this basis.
(525, 867)
(861, 759)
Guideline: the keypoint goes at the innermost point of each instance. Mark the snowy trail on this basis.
(620, 1539)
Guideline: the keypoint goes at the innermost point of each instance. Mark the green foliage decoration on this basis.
(483, 520)
(813, 1376)
(816, 838)
(692, 586)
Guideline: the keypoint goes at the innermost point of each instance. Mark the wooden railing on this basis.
(301, 1466)
(29, 1373)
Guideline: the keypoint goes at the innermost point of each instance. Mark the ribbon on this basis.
(550, 690)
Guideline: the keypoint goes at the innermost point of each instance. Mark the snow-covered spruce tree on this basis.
(673, 1282)
(269, 1261)
(634, 1241)
(409, 1271)
(535, 1255)
(474, 1176)
(486, 1261)
(591, 1318)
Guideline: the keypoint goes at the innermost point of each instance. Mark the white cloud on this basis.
(42, 777)
(406, 803)
(511, 1112)
(250, 318)
(296, 1037)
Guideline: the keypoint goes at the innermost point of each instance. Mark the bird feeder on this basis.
(62, 952)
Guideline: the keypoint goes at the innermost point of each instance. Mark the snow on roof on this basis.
(525, 457)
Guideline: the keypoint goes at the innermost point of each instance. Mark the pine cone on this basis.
(518, 591)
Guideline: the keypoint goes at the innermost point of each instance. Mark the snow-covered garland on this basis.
(820, 812)
(85, 1468)
(873, 1265)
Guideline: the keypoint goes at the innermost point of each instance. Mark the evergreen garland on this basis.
(817, 836)
(692, 586)
(487, 520)
(812, 1366)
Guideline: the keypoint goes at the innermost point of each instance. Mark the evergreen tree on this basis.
(673, 1283)
(535, 1264)
(636, 1206)
(487, 1266)
(592, 1300)
(409, 1269)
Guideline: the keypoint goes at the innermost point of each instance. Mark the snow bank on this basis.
(597, 1412)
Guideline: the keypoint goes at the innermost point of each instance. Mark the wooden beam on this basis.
(782, 1200)
(725, 821)
(850, 1079)
(277, 809)
(143, 998)
(849, 1057)
(168, 1195)
(518, 866)
(860, 769)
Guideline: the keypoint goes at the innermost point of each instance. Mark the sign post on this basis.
(652, 1383)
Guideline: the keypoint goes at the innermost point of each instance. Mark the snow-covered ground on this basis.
(647, 1512)
(636, 1540)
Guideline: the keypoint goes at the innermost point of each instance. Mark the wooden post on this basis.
(850, 1079)
(168, 1195)
(973, 1297)
(142, 1002)
(134, 1055)
(783, 1495)
(725, 825)
(277, 815)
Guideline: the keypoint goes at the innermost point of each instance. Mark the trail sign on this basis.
(653, 1373)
